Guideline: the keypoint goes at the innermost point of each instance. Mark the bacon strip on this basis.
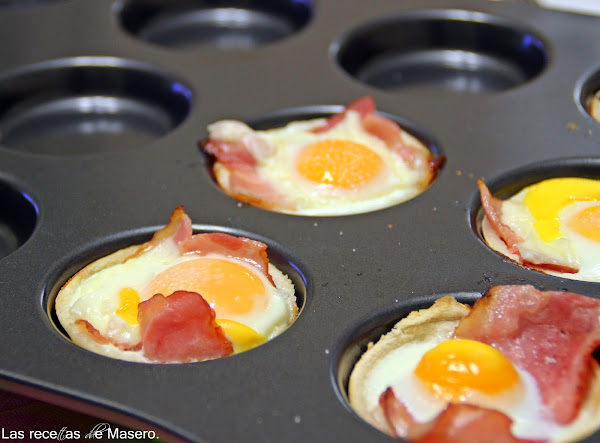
(230, 152)
(550, 267)
(181, 328)
(389, 132)
(551, 334)
(363, 105)
(461, 423)
(399, 419)
(251, 251)
(236, 142)
(180, 230)
(244, 183)
(458, 423)
(492, 207)
(238, 149)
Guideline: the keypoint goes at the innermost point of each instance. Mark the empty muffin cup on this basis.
(88, 105)
(228, 24)
(18, 218)
(454, 50)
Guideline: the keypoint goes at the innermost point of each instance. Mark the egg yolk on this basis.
(339, 163)
(587, 223)
(242, 336)
(230, 288)
(456, 367)
(128, 308)
(546, 198)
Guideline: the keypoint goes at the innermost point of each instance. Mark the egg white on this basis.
(396, 182)
(97, 298)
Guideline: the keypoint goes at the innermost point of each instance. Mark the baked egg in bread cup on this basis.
(516, 363)
(328, 162)
(545, 217)
(180, 297)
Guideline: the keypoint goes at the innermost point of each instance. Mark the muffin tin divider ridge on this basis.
(355, 267)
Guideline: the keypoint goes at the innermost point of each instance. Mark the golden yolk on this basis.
(242, 337)
(128, 309)
(587, 223)
(339, 163)
(546, 198)
(456, 367)
(228, 287)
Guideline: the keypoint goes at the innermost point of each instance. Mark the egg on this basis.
(481, 376)
(346, 170)
(248, 307)
(428, 369)
(343, 170)
(558, 221)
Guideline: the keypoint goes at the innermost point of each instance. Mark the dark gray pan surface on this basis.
(98, 133)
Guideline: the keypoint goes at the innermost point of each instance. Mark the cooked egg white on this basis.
(559, 222)
(248, 308)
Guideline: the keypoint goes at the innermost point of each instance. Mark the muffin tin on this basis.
(101, 107)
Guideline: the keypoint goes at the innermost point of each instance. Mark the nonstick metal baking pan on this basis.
(102, 105)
